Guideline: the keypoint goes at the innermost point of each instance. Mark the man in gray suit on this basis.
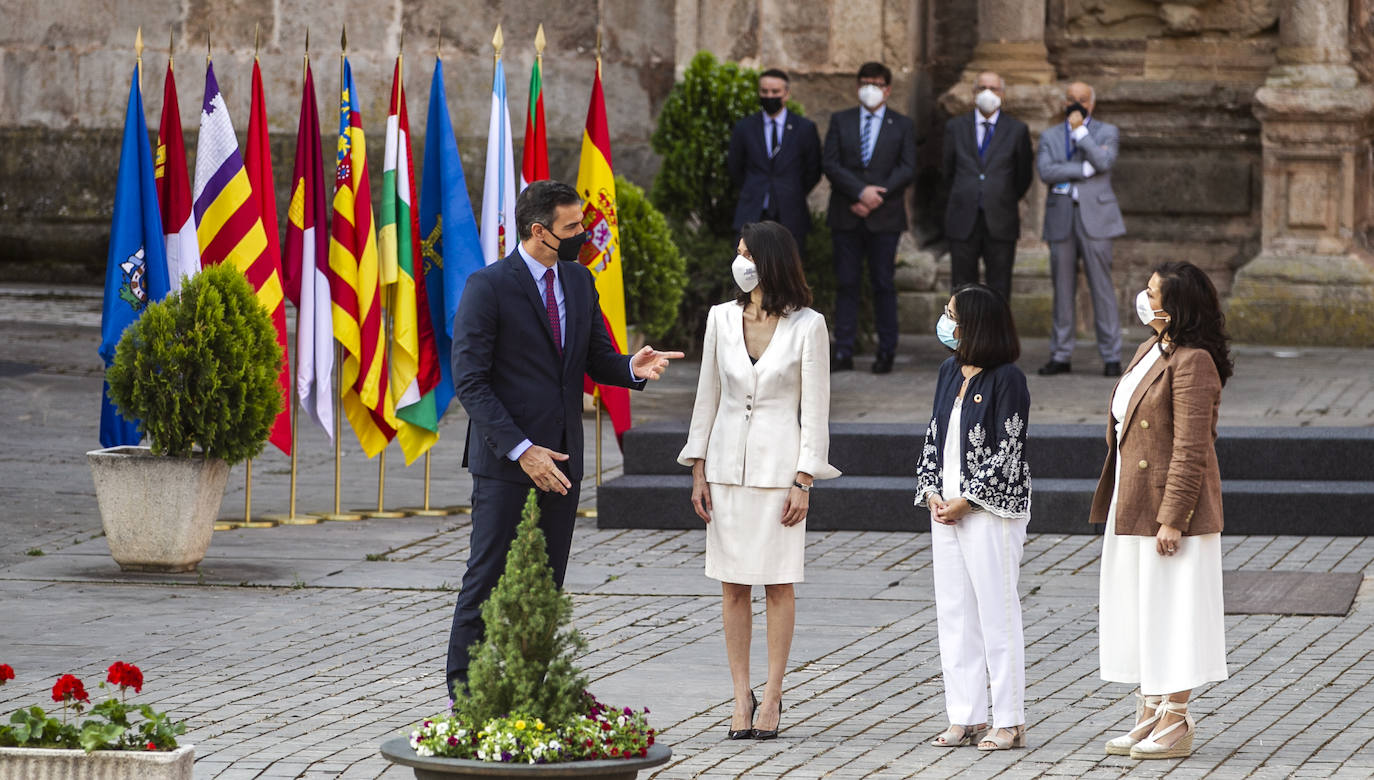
(1081, 218)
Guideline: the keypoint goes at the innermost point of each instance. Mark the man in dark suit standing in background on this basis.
(528, 328)
(987, 165)
(869, 158)
(774, 160)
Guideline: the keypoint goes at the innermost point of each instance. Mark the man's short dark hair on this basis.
(987, 332)
(538, 203)
(775, 73)
(875, 70)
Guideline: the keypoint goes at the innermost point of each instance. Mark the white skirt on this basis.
(1161, 621)
(746, 542)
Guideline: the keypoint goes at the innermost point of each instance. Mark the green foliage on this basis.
(111, 730)
(199, 369)
(654, 269)
(524, 666)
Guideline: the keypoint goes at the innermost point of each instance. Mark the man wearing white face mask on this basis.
(987, 166)
(870, 159)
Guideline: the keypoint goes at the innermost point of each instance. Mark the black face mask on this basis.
(1075, 107)
(771, 105)
(568, 248)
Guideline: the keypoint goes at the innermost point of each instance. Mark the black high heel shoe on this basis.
(749, 732)
(761, 734)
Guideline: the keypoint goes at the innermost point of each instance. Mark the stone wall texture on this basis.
(1179, 79)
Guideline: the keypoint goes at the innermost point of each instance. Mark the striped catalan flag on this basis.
(229, 224)
(353, 284)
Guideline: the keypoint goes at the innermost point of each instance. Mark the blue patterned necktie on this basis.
(987, 137)
(865, 140)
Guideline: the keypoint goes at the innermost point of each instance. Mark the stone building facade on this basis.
(1246, 124)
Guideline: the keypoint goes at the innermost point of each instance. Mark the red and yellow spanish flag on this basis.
(353, 269)
(229, 225)
(601, 253)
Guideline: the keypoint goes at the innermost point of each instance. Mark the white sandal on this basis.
(970, 736)
(1151, 748)
(993, 741)
(1121, 746)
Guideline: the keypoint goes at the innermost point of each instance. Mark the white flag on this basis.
(498, 189)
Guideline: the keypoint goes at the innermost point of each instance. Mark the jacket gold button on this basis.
(1144, 423)
(1144, 464)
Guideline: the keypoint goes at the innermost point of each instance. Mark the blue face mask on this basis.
(944, 330)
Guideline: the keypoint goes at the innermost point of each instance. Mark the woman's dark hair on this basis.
(1188, 296)
(987, 332)
(775, 255)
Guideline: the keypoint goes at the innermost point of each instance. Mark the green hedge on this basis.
(655, 272)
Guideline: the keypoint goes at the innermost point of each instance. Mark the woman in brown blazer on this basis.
(1161, 617)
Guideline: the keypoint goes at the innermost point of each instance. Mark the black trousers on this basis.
(851, 247)
(496, 508)
(998, 256)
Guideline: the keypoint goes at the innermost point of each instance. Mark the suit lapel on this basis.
(1154, 372)
(574, 303)
(521, 274)
(1003, 127)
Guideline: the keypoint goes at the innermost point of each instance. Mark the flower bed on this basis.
(112, 729)
(602, 733)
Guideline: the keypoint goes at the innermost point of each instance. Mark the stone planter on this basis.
(49, 764)
(397, 750)
(158, 512)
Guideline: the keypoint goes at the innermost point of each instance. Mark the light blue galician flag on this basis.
(448, 231)
(136, 267)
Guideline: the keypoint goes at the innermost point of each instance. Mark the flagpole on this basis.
(138, 57)
(338, 514)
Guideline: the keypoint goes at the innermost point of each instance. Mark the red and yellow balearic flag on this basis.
(601, 253)
(353, 284)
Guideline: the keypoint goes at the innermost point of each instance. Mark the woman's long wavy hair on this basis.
(1190, 299)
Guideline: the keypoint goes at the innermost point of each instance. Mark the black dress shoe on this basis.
(761, 734)
(842, 363)
(1054, 367)
(1111, 368)
(882, 364)
(749, 732)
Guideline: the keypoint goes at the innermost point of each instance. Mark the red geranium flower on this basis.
(68, 688)
(6, 673)
(151, 746)
(126, 676)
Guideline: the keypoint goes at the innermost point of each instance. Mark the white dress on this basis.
(1161, 622)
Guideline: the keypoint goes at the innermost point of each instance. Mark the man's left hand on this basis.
(649, 363)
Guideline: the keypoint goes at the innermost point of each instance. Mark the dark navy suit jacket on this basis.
(787, 178)
(507, 371)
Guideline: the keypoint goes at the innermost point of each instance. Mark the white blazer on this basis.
(758, 424)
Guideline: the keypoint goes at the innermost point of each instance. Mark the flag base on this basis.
(380, 514)
(458, 510)
(226, 526)
(420, 512)
(294, 519)
(259, 523)
(338, 517)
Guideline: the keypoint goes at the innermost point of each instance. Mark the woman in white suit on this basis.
(760, 436)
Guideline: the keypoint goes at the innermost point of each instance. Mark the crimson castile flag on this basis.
(601, 253)
(259, 163)
(534, 159)
(414, 362)
(174, 189)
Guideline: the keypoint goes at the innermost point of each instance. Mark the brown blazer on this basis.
(1169, 472)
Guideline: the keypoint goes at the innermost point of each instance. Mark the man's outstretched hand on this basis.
(649, 363)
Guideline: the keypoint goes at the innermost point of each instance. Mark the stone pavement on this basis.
(295, 650)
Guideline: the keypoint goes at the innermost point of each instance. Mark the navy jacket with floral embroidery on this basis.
(996, 408)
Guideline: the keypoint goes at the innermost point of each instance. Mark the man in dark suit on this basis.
(987, 164)
(775, 160)
(528, 328)
(870, 158)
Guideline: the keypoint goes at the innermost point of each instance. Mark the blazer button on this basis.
(1144, 464)
(748, 407)
(1144, 423)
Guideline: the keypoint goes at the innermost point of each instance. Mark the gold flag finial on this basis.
(598, 47)
(207, 47)
(498, 41)
(307, 43)
(138, 56)
(401, 47)
(540, 42)
(439, 47)
(257, 39)
(171, 44)
(343, 40)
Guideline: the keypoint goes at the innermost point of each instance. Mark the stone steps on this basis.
(1303, 481)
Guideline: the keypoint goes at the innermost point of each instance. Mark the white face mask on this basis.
(987, 102)
(871, 95)
(746, 273)
(1144, 310)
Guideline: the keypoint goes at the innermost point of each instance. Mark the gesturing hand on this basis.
(649, 363)
(538, 462)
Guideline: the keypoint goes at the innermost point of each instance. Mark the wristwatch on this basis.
(804, 488)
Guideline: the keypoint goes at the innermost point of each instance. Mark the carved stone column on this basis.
(1312, 281)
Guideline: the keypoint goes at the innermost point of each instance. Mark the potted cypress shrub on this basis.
(525, 711)
(199, 372)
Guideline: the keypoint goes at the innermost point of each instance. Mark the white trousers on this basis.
(978, 612)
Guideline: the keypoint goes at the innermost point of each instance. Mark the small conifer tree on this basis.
(524, 664)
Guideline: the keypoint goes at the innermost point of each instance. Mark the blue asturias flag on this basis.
(448, 230)
(136, 268)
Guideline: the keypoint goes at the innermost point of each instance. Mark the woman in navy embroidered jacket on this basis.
(974, 478)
